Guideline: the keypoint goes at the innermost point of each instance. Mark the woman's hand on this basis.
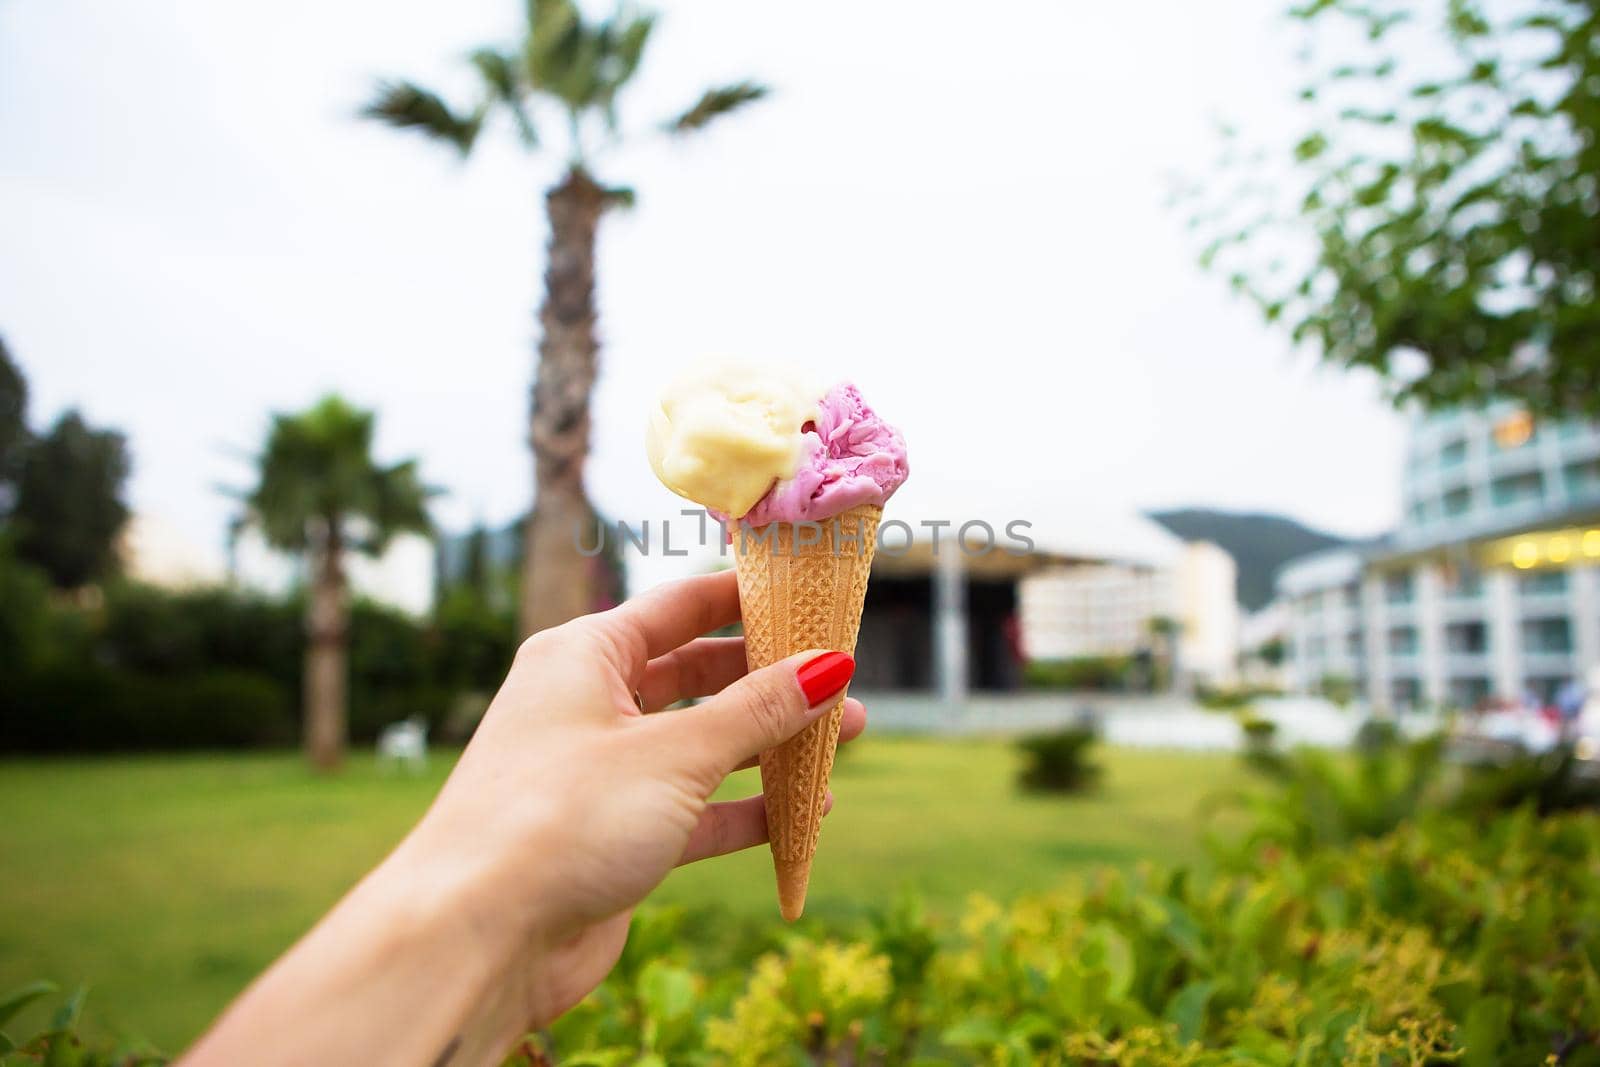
(510, 900)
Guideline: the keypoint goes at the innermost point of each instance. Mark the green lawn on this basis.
(165, 883)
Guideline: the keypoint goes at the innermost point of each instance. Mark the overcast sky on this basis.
(961, 206)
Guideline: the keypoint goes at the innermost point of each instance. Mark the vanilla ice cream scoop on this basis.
(764, 446)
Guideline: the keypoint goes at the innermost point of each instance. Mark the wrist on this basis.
(486, 887)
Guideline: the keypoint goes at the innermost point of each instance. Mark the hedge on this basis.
(1449, 940)
(214, 668)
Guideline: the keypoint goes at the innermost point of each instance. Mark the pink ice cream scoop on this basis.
(849, 457)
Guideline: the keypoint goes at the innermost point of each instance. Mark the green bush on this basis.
(1233, 698)
(1546, 782)
(215, 668)
(1260, 741)
(1058, 762)
(1448, 940)
(59, 1044)
(1377, 735)
(64, 707)
(1327, 800)
(1337, 688)
(159, 631)
(1087, 672)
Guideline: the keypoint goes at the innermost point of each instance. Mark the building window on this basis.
(1469, 692)
(1352, 595)
(1573, 430)
(1403, 640)
(1419, 513)
(1462, 582)
(1467, 638)
(1397, 588)
(1517, 489)
(1541, 583)
(1352, 644)
(1405, 692)
(1545, 687)
(1457, 502)
(1583, 479)
(1549, 636)
(1453, 454)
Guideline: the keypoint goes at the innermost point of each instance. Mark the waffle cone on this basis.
(794, 597)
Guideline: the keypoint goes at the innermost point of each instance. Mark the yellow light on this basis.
(1514, 430)
(1591, 543)
(1559, 550)
(1525, 555)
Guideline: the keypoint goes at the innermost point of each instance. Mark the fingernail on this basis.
(822, 676)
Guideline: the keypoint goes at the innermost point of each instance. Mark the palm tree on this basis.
(321, 495)
(574, 69)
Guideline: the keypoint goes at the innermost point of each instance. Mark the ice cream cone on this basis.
(802, 587)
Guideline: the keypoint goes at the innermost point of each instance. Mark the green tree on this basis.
(1273, 651)
(574, 69)
(69, 508)
(320, 494)
(14, 435)
(1450, 202)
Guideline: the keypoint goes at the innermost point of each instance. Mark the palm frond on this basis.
(621, 196)
(557, 39)
(409, 106)
(632, 38)
(715, 103)
(503, 75)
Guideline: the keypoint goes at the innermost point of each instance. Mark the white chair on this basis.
(405, 745)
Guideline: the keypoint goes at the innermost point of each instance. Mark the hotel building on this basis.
(1489, 588)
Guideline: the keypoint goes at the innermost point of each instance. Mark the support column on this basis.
(1585, 600)
(1375, 631)
(1505, 636)
(1300, 658)
(1430, 635)
(950, 624)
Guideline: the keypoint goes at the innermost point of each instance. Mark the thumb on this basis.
(768, 706)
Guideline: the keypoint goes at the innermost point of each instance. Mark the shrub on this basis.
(1444, 939)
(1087, 672)
(66, 707)
(1058, 762)
(1233, 698)
(1337, 688)
(1329, 800)
(59, 1044)
(1260, 741)
(1376, 735)
(216, 668)
(1546, 782)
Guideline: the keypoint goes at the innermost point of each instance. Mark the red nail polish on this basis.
(823, 676)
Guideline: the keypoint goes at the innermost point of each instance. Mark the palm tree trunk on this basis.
(327, 660)
(556, 577)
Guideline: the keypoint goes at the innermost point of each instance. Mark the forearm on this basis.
(410, 968)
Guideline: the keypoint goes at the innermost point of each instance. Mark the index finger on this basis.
(678, 612)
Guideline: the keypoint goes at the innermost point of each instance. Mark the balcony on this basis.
(1523, 458)
(1551, 664)
(1468, 664)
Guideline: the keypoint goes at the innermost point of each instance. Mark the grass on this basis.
(166, 883)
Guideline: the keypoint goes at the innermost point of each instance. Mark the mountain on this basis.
(1258, 543)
